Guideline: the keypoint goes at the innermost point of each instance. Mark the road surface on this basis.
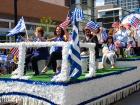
(133, 99)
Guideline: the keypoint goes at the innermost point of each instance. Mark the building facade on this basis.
(107, 16)
(32, 11)
(126, 5)
(88, 7)
(115, 10)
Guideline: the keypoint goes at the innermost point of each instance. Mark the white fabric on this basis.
(121, 36)
(108, 54)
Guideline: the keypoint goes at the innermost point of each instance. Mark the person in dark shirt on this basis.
(37, 54)
(89, 37)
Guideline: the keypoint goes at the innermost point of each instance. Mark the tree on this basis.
(45, 22)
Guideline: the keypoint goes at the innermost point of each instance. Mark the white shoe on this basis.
(112, 67)
(90, 74)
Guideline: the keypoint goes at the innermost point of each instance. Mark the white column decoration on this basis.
(92, 63)
(19, 72)
(64, 75)
(21, 62)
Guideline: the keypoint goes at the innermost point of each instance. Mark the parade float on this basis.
(95, 87)
(98, 89)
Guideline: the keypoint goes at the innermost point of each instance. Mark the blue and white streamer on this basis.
(74, 52)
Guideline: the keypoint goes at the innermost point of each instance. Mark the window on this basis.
(84, 2)
(67, 3)
(72, 2)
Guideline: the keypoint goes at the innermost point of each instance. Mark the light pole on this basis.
(15, 15)
(15, 12)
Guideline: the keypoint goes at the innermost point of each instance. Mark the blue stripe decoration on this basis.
(73, 67)
(28, 95)
(34, 82)
(128, 59)
(74, 52)
(74, 36)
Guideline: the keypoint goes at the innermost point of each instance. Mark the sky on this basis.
(99, 2)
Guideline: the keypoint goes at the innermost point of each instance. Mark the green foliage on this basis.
(45, 22)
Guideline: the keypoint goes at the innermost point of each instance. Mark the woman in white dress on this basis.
(109, 50)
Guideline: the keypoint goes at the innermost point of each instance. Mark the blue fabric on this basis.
(121, 35)
(42, 52)
(104, 35)
(56, 48)
(112, 47)
(3, 57)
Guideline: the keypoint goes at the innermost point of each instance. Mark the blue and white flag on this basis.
(18, 28)
(104, 35)
(74, 52)
(92, 25)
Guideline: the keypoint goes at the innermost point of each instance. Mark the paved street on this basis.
(133, 99)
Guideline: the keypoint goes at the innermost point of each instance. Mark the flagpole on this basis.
(15, 15)
(27, 36)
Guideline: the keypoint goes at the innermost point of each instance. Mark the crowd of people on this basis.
(120, 41)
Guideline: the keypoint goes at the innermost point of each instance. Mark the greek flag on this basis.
(74, 52)
(92, 25)
(18, 28)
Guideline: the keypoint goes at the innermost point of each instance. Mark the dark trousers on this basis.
(53, 58)
(33, 59)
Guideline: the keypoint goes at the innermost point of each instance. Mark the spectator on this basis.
(111, 32)
(120, 40)
(131, 44)
(89, 37)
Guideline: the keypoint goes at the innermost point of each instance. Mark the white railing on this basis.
(64, 75)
